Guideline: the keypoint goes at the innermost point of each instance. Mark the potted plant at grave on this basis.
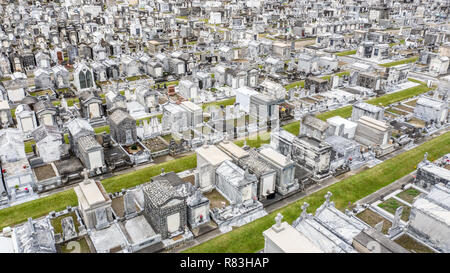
(134, 147)
(16, 187)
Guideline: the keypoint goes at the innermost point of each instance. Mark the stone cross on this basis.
(327, 197)
(304, 209)
(85, 173)
(425, 156)
(278, 219)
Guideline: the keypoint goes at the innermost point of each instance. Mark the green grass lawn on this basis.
(417, 81)
(385, 100)
(399, 62)
(160, 85)
(400, 95)
(372, 218)
(402, 41)
(293, 127)
(37, 208)
(132, 179)
(302, 82)
(101, 129)
(395, 111)
(295, 85)
(149, 118)
(346, 53)
(409, 195)
(70, 102)
(167, 137)
(412, 245)
(344, 112)
(59, 201)
(249, 238)
(29, 146)
(255, 141)
(135, 78)
(392, 204)
(225, 102)
(56, 222)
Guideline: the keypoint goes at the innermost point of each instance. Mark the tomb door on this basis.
(115, 73)
(47, 119)
(158, 72)
(205, 177)
(3, 117)
(27, 124)
(101, 218)
(82, 79)
(247, 193)
(150, 101)
(128, 137)
(43, 63)
(4, 67)
(95, 159)
(60, 81)
(94, 110)
(241, 82)
(103, 76)
(173, 222)
(18, 66)
(89, 81)
(267, 185)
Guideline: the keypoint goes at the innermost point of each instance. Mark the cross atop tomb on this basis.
(85, 176)
(425, 156)
(304, 209)
(278, 219)
(328, 197)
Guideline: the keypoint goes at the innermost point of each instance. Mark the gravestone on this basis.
(101, 219)
(68, 228)
(129, 205)
(396, 227)
(277, 227)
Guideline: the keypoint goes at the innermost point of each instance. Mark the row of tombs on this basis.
(170, 210)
